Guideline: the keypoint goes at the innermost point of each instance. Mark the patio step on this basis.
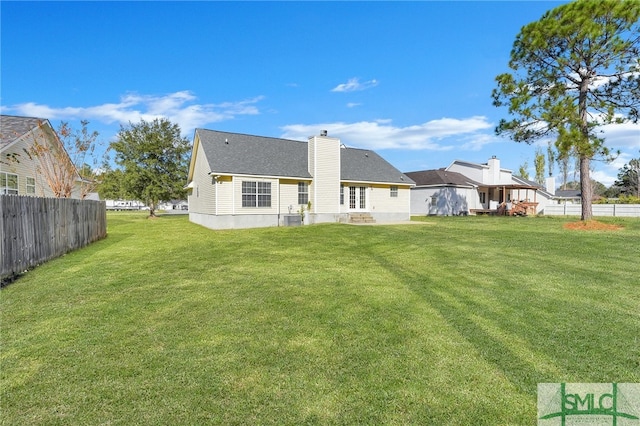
(361, 218)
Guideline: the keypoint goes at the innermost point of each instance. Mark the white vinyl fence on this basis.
(618, 210)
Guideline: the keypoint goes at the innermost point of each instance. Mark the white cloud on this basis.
(625, 135)
(353, 104)
(354, 85)
(477, 141)
(604, 177)
(381, 134)
(607, 173)
(178, 107)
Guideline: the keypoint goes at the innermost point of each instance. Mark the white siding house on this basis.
(20, 169)
(472, 188)
(245, 181)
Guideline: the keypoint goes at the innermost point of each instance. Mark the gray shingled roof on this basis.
(12, 127)
(235, 153)
(532, 184)
(568, 193)
(439, 177)
(366, 166)
(520, 179)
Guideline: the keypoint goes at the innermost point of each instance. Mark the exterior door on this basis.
(358, 198)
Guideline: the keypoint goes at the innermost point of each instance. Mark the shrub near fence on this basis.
(34, 230)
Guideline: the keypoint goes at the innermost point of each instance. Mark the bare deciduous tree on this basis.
(62, 157)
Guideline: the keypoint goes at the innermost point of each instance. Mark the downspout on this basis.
(315, 171)
(215, 190)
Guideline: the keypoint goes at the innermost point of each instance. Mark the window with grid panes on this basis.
(303, 192)
(264, 194)
(256, 194)
(31, 186)
(249, 194)
(8, 183)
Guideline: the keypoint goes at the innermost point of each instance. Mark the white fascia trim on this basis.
(449, 185)
(260, 176)
(362, 182)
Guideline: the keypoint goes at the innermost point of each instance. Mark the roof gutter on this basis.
(212, 173)
(371, 182)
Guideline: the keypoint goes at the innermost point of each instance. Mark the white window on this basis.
(357, 197)
(303, 193)
(264, 194)
(342, 195)
(256, 194)
(31, 186)
(393, 192)
(8, 183)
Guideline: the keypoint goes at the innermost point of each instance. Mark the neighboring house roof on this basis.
(235, 153)
(521, 180)
(12, 128)
(529, 183)
(439, 177)
(443, 177)
(474, 165)
(526, 183)
(568, 193)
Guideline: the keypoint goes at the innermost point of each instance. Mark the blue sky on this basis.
(411, 80)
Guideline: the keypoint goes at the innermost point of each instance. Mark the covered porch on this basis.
(507, 200)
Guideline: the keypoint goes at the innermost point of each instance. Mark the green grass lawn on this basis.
(454, 321)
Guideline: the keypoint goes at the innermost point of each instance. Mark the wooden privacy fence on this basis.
(34, 230)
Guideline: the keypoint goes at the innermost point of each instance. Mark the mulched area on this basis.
(591, 225)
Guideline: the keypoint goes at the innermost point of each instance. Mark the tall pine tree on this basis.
(574, 70)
